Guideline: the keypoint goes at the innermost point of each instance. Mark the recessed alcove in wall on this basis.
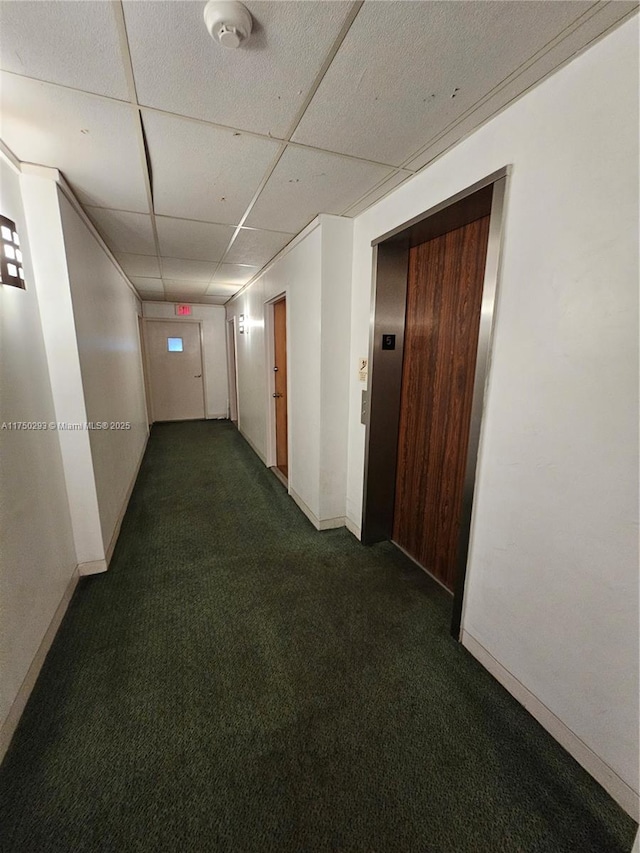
(391, 393)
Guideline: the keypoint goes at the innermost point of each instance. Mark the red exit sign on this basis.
(183, 310)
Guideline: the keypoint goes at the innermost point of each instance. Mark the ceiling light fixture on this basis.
(228, 22)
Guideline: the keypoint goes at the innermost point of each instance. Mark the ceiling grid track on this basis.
(350, 18)
(405, 166)
(594, 9)
(313, 78)
(216, 125)
(125, 51)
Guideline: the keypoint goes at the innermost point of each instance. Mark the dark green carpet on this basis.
(239, 682)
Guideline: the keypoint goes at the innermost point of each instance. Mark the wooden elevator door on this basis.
(444, 297)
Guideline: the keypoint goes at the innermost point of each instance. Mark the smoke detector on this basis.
(228, 22)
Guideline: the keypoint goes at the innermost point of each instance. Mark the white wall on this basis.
(42, 212)
(37, 557)
(298, 275)
(552, 591)
(336, 368)
(315, 274)
(105, 312)
(212, 318)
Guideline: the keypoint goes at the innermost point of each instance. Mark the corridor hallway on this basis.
(240, 682)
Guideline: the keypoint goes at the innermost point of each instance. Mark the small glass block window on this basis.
(174, 345)
(11, 271)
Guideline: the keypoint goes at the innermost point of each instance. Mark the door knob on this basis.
(198, 376)
(277, 395)
(275, 369)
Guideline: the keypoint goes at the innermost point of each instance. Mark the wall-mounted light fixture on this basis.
(11, 271)
(241, 324)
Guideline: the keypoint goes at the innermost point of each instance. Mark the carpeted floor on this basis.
(239, 682)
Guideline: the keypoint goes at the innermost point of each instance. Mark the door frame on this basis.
(144, 366)
(271, 454)
(232, 370)
(146, 320)
(382, 399)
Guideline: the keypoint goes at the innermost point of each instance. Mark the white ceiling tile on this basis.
(73, 44)
(235, 274)
(406, 70)
(259, 87)
(187, 270)
(377, 193)
(223, 290)
(209, 299)
(182, 238)
(184, 297)
(143, 266)
(307, 182)
(130, 233)
(252, 246)
(525, 77)
(150, 285)
(178, 286)
(202, 172)
(92, 141)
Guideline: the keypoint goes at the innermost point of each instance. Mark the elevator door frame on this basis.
(381, 401)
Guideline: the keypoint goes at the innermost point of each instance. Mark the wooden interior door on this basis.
(444, 297)
(280, 384)
(175, 370)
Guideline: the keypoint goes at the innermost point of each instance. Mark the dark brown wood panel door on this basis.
(280, 368)
(444, 297)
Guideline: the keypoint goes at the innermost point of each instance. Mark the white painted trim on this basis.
(315, 223)
(252, 445)
(270, 357)
(313, 518)
(125, 504)
(352, 527)
(325, 523)
(93, 567)
(621, 792)
(270, 384)
(73, 201)
(203, 369)
(50, 173)
(55, 175)
(143, 368)
(9, 157)
(332, 523)
(12, 719)
(232, 368)
(147, 356)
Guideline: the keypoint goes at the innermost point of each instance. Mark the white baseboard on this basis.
(319, 524)
(258, 453)
(19, 703)
(123, 509)
(219, 417)
(621, 792)
(93, 567)
(313, 518)
(352, 527)
(331, 523)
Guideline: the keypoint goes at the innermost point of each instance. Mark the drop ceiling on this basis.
(199, 164)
